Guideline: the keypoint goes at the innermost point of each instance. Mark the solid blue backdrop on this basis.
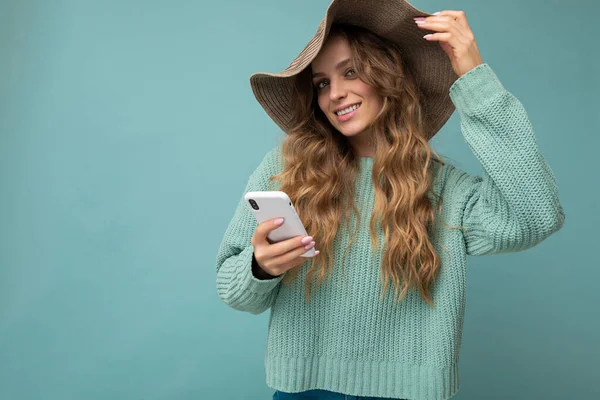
(128, 131)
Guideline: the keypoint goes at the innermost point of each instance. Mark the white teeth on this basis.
(347, 110)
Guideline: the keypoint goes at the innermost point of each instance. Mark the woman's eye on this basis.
(320, 84)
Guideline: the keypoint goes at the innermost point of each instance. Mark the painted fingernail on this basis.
(419, 18)
(420, 22)
(278, 221)
(306, 239)
(427, 36)
(308, 246)
(437, 13)
(317, 252)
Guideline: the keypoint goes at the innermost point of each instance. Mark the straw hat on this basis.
(390, 19)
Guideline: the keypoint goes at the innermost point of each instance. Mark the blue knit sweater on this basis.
(347, 340)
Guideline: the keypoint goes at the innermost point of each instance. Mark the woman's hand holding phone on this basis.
(277, 258)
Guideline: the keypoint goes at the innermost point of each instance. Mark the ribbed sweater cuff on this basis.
(475, 87)
(248, 280)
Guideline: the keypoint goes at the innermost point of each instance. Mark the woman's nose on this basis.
(336, 91)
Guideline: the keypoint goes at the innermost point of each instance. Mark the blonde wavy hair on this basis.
(320, 168)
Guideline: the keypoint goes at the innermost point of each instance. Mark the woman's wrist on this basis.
(258, 272)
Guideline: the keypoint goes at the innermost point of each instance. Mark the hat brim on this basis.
(390, 19)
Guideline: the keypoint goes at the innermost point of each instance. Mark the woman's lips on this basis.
(347, 116)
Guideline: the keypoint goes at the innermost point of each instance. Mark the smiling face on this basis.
(350, 104)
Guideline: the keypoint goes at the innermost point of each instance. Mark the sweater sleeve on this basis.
(515, 204)
(236, 284)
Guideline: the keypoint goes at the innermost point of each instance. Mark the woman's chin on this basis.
(350, 132)
(350, 129)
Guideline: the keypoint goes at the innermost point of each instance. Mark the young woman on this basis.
(359, 106)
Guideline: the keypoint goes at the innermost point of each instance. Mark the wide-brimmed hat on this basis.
(390, 19)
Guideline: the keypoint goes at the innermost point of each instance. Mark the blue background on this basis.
(128, 131)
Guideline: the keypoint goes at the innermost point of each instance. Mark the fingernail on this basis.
(420, 22)
(308, 246)
(306, 239)
(279, 221)
(317, 252)
(419, 18)
(437, 13)
(427, 36)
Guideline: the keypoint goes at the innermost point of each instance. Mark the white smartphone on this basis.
(276, 204)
